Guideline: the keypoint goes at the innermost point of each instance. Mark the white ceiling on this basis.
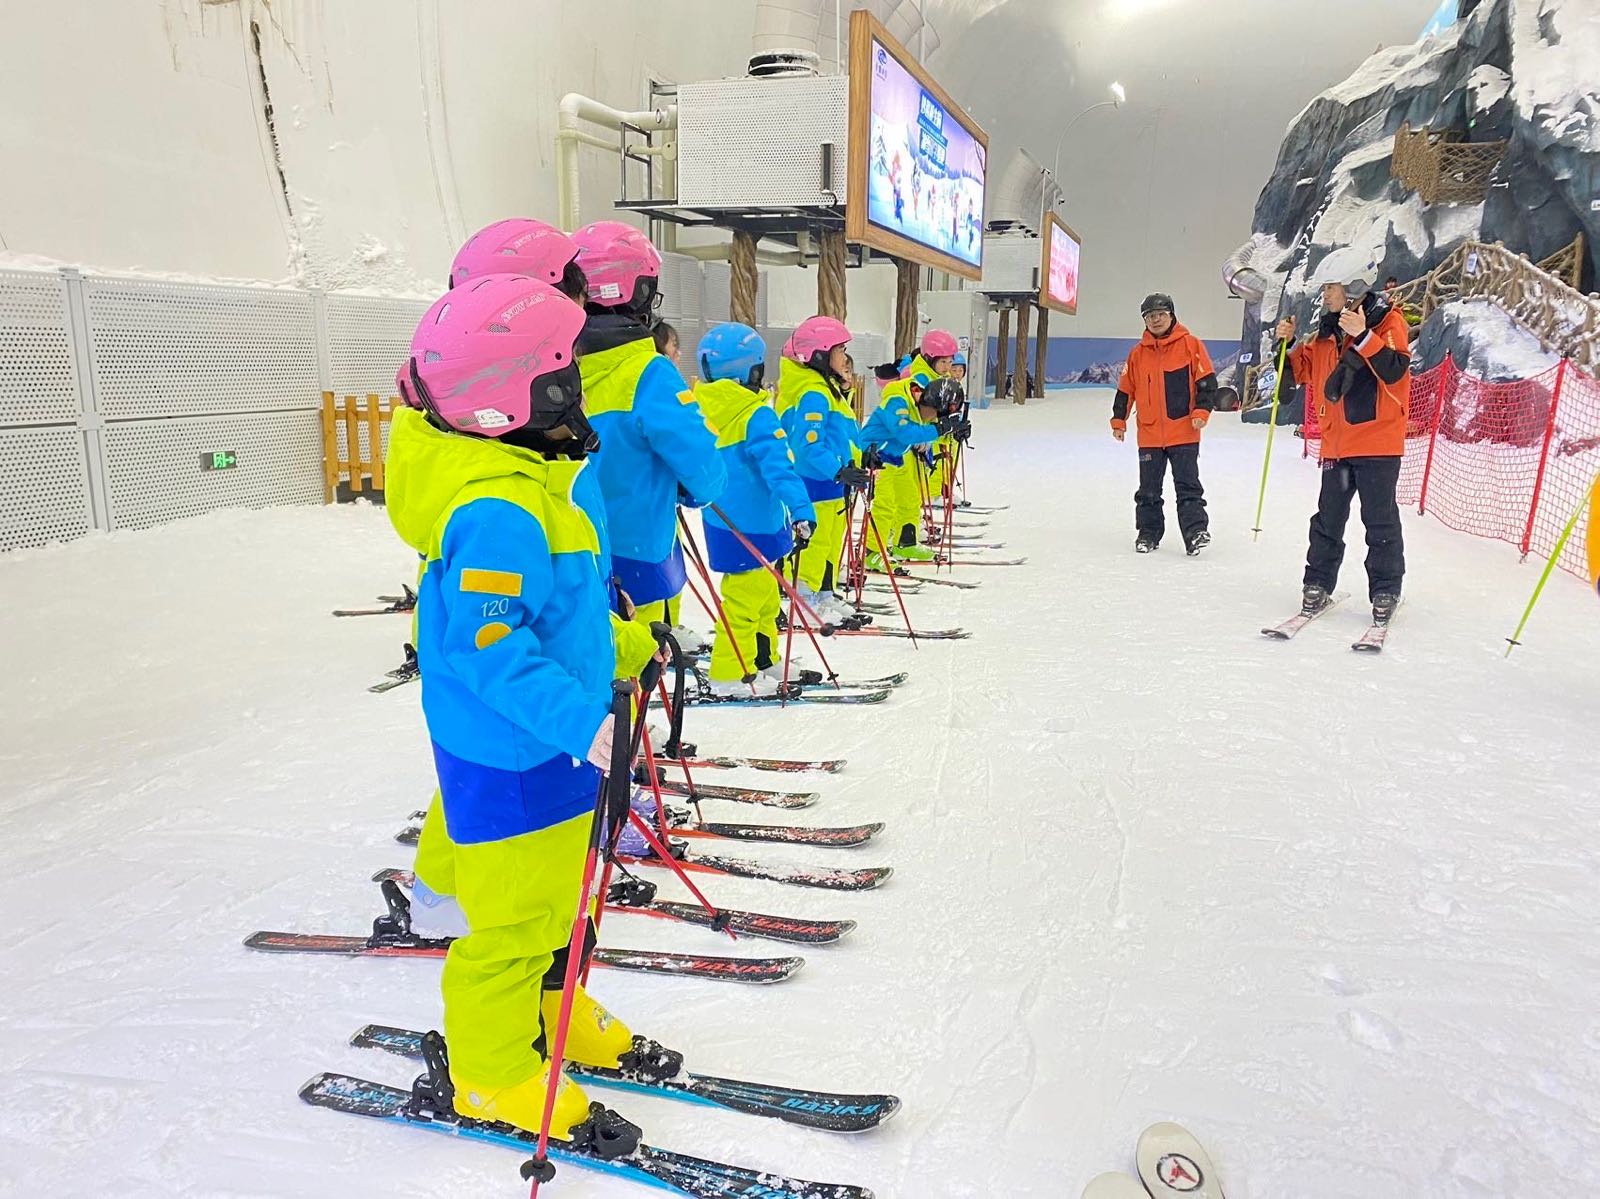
(1161, 190)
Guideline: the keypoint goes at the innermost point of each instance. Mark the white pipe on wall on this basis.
(574, 112)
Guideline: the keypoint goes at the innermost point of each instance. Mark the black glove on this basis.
(945, 423)
(872, 458)
(852, 476)
(961, 430)
(925, 456)
(802, 533)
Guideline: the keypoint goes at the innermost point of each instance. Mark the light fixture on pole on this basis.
(1119, 96)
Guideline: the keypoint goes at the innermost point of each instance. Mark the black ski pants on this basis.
(1374, 480)
(1148, 514)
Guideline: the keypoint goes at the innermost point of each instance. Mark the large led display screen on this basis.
(1058, 271)
(918, 162)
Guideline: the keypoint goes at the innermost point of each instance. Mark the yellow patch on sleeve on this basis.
(686, 397)
(491, 582)
(490, 633)
(814, 416)
(811, 438)
(779, 434)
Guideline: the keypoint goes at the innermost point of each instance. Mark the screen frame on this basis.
(864, 30)
(1051, 222)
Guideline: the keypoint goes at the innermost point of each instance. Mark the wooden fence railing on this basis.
(353, 437)
(1442, 168)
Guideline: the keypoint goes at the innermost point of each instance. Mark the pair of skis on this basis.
(1370, 642)
(1171, 1163)
(606, 1142)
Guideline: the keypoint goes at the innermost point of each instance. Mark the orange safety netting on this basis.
(1509, 460)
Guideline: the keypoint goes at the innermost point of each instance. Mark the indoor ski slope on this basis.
(1334, 913)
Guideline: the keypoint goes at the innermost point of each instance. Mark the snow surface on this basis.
(1334, 913)
(1419, 62)
(1501, 348)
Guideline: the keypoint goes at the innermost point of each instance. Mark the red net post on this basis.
(1544, 456)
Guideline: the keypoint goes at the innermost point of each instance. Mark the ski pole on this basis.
(812, 617)
(1272, 428)
(788, 636)
(1549, 568)
(721, 612)
(539, 1169)
(893, 582)
(609, 848)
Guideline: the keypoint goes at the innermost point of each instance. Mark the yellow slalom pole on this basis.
(1272, 428)
(1549, 567)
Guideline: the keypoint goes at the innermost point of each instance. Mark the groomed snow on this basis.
(1334, 913)
(1501, 348)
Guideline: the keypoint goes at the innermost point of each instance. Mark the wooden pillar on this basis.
(1002, 352)
(1041, 351)
(743, 280)
(907, 288)
(831, 299)
(1019, 377)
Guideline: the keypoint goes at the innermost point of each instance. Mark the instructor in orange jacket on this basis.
(1356, 370)
(1171, 388)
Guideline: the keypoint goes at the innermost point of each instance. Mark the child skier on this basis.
(765, 501)
(655, 446)
(813, 404)
(538, 251)
(897, 429)
(1168, 379)
(515, 647)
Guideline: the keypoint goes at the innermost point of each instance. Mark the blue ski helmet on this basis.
(733, 351)
(960, 359)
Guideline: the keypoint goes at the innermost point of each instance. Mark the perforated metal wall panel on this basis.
(1011, 264)
(165, 349)
(732, 155)
(38, 380)
(45, 496)
(368, 338)
(155, 475)
(718, 291)
(681, 284)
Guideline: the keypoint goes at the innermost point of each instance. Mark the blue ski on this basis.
(810, 1109)
(645, 1164)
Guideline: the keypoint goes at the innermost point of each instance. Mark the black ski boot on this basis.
(1198, 542)
(1314, 599)
(1145, 545)
(1383, 606)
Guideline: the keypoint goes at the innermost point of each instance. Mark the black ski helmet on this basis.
(944, 395)
(1158, 301)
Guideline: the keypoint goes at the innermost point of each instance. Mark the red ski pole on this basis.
(612, 788)
(893, 582)
(794, 595)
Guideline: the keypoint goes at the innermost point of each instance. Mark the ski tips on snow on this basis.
(1173, 1163)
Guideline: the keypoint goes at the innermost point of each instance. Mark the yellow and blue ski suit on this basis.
(824, 437)
(895, 429)
(515, 647)
(764, 498)
(654, 441)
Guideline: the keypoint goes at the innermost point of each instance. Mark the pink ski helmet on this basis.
(814, 340)
(516, 246)
(937, 343)
(622, 266)
(495, 355)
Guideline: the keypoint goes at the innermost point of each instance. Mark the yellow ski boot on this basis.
(523, 1104)
(595, 1037)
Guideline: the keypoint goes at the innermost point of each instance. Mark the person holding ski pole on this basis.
(814, 379)
(655, 446)
(1170, 388)
(901, 482)
(765, 500)
(1356, 369)
(515, 646)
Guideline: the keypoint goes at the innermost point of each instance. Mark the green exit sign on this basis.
(219, 460)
